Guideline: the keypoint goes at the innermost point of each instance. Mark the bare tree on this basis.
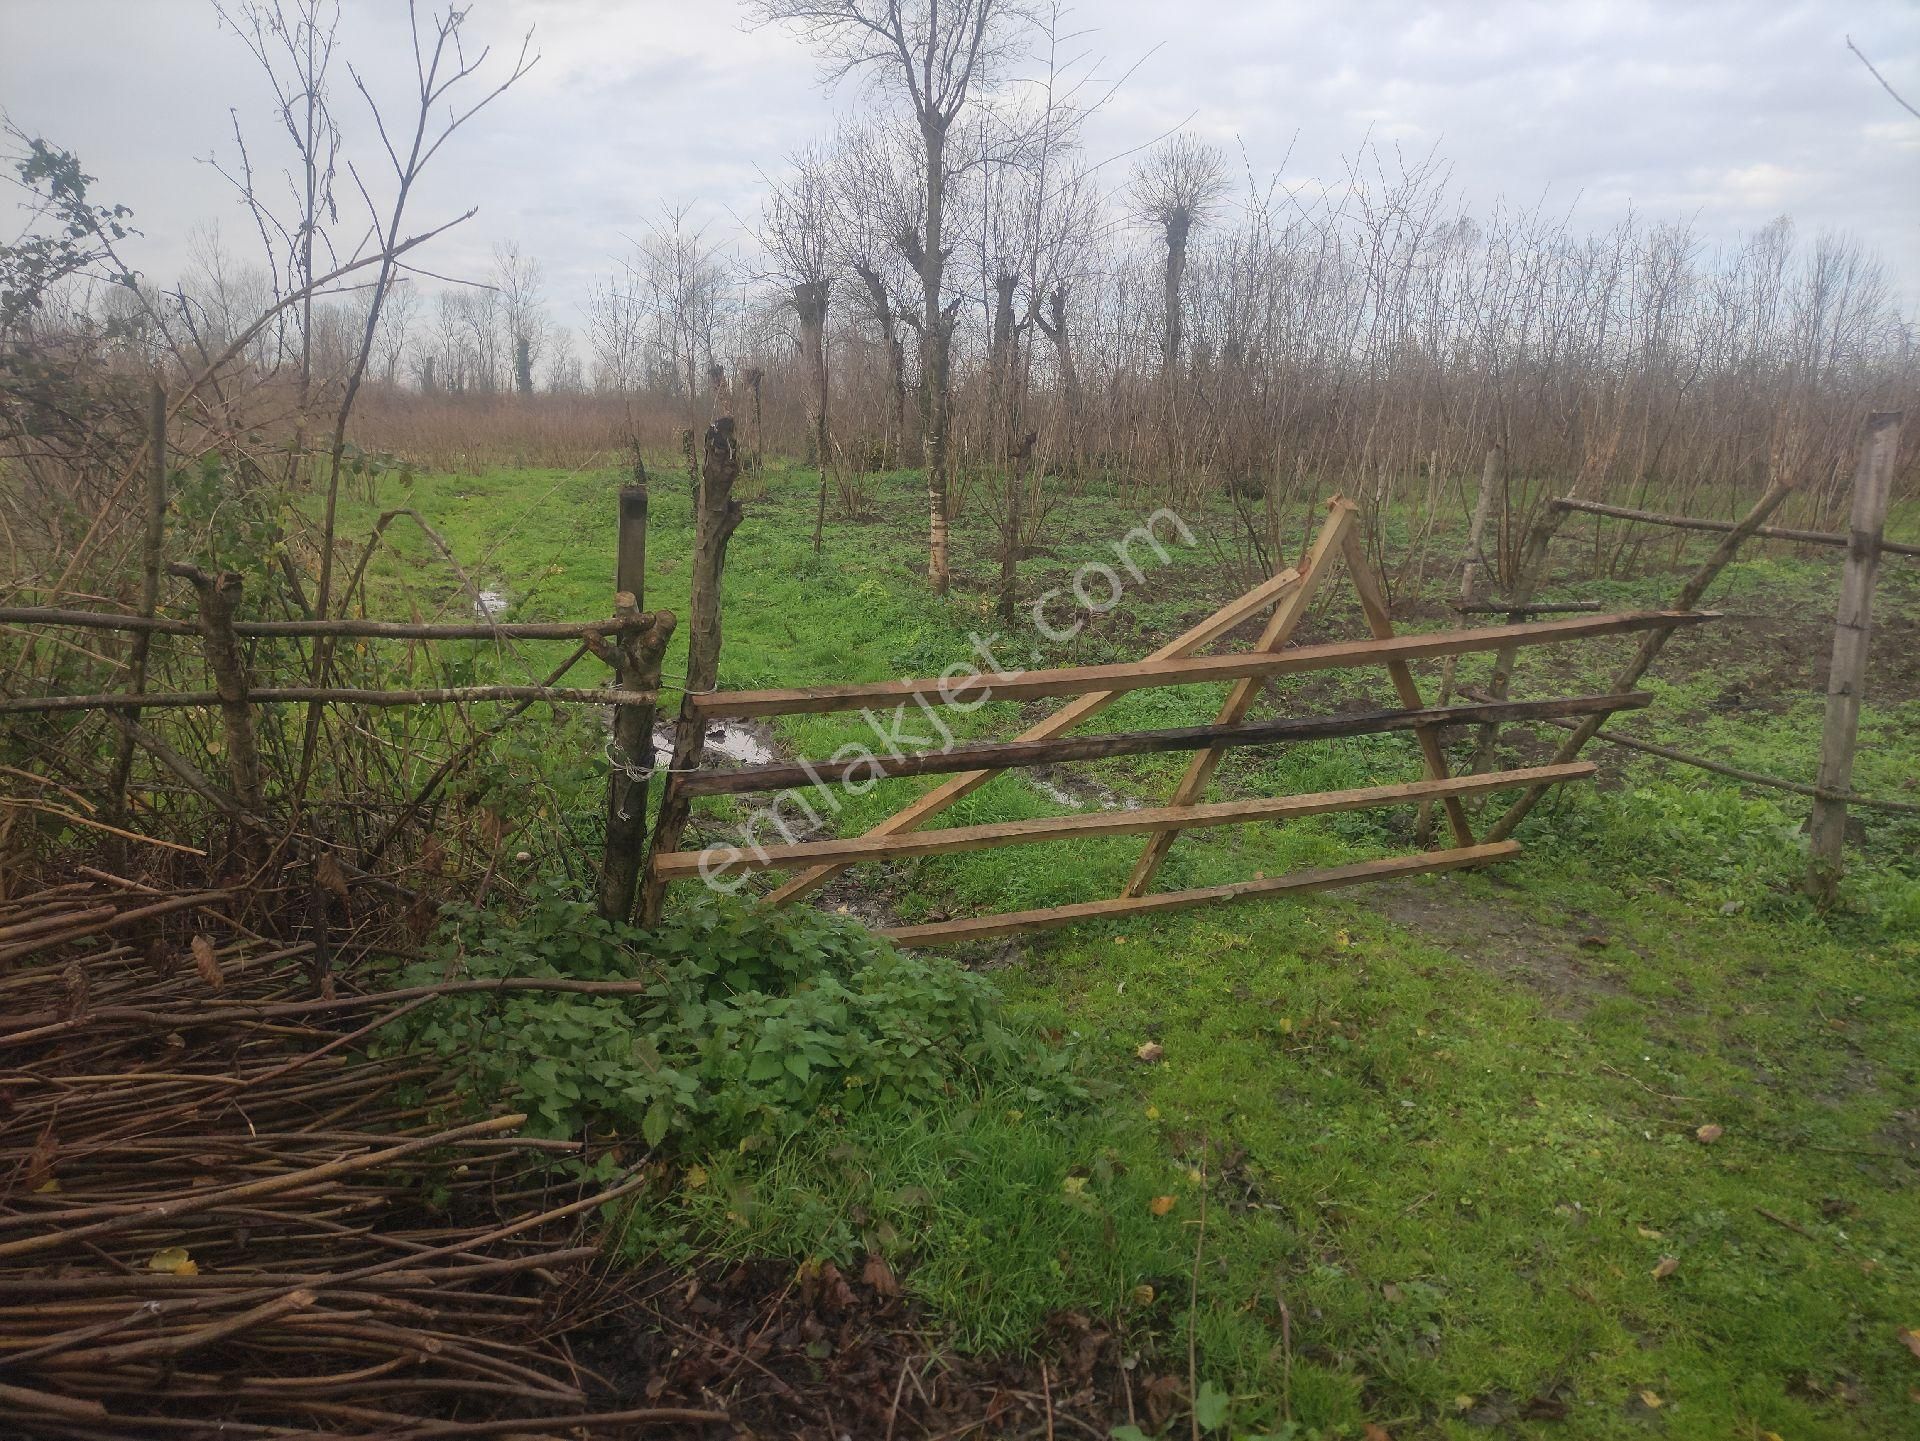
(680, 282)
(403, 298)
(876, 200)
(937, 59)
(795, 235)
(517, 278)
(1177, 186)
(565, 375)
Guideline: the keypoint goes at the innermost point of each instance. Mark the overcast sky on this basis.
(1724, 112)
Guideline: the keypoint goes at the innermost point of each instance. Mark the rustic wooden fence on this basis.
(1865, 543)
(631, 642)
(1094, 687)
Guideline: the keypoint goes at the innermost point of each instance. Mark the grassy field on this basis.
(1446, 1134)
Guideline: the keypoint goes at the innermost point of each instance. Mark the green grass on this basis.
(1448, 1129)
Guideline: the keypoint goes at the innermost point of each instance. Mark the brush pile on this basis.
(218, 1216)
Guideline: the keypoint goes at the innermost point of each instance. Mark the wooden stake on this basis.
(219, 596)
(1279, 631)
(635, 657)
(1852, 631)
(152, 543)
(716, 517)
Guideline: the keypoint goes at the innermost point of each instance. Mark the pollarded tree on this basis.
(517, 277)
(796, 226)
(1177, 186)
(937, 59)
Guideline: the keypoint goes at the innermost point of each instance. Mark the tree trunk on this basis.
(810, 305)
(1177, 226)
(1054, 326)
(896, 440)
(935, 346)
(1001, 407)
(1010, 524)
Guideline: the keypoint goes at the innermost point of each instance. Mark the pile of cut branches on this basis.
(218, 1216)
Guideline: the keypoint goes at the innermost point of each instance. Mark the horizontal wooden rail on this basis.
(346, 626)
(1075, 712)
(349, 695)
(719, 859)
(1690, 522)
(940, 933)
(1756, 778)
(1494, 607)
(1002, 755)
(1191, 670)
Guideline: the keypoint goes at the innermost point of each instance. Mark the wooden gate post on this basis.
(119, 802)
(716, 517)
(219, 597)
(1852, 630)
(635, 657)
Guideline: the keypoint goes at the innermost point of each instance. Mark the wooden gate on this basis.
(971, 765)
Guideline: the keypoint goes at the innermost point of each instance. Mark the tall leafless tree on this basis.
(936, 59)
(1177, 186)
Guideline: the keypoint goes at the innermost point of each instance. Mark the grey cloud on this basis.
(1725, 112)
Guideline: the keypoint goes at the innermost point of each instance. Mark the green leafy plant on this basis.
(756, 1023)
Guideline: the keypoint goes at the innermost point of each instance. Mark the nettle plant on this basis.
(757, 1023)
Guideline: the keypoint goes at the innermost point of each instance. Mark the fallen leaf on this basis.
(206, 964)
(1463, 1403)
(1668, 1265)
(1647, 1233)
(1153, 1113)
(40, 1160)
(1910, 1338)
(173, 1261)
(879, 1275)
(1376, 1432)
(1707, 1135)
(1074, 1185)
(1651, 1401)
(696, 1177)
(1392, 1293)
(329, 877)
(1160, 1205)
(1150, 1052)
(1143, 1295)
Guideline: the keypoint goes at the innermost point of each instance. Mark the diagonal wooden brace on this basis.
(1279, 631)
